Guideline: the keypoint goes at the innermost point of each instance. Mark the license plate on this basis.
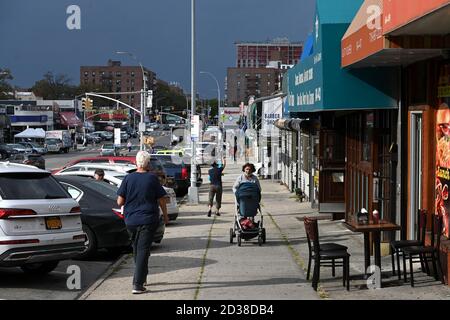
(53, 223)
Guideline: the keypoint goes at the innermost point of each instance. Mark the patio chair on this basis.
(325, 255)
(398, 245)
(428, 252)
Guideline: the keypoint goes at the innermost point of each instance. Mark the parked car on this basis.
(155, 166)
(20, 148)
(80, 167)
(116, 178)
(6, 151)
(35, 148)
(180, 170)
(90, 138)
(110, 149)
(40, 223)
(106, 135)
(124, 136)
(32, 159)
(102, 221)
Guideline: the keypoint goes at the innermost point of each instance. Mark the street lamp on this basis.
(143, 91)
(193, 191)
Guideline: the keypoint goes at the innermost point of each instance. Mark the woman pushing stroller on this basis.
(247, 190)
(247, 176)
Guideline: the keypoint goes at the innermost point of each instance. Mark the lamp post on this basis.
(193, 191)
(143, 92)
(219, 138)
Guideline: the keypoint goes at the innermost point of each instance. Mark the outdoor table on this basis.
(375, 229)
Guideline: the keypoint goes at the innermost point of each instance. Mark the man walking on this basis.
(141, 194)
(215, 189)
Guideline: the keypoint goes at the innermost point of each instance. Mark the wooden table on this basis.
(375, 229)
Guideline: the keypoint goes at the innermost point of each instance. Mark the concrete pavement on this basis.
(195, 260)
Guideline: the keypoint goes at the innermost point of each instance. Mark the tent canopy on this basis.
(31, 133)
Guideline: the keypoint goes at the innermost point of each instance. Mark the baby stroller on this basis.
(245, 226)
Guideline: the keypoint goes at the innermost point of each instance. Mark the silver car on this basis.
(40, 223)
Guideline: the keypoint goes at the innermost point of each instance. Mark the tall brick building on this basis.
(117, 78)
(259, 68)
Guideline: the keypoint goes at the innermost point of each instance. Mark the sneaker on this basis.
(217, 213)
(209, 213)
(139, 289)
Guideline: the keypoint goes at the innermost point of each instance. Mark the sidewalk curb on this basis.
(103, 277)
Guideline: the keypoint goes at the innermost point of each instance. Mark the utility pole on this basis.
(193, 191)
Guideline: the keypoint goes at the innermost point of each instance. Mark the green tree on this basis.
(54, 87)
(5, 87)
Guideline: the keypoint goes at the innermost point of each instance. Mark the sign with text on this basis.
(272, 110)
(195, 127)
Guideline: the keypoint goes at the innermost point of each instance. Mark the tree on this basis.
(55, 87)
(5, 87)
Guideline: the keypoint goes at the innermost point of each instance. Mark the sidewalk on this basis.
(195, 260)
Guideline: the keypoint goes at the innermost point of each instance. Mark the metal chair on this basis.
(427, 252)
(326, 255)
(398, 245)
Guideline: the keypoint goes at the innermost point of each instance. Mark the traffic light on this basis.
(89, 103)
(83, 103)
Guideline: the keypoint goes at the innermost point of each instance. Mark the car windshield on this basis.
(51, 141)
(108, 146)
(26, 185)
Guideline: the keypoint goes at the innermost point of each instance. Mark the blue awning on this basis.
(318, 83)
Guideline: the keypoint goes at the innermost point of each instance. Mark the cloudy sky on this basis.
(35, 38)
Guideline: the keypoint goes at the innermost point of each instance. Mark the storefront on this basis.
(341, 100)
(415, 40)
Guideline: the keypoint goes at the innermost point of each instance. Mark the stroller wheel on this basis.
(231, 235)
(239, 240)
(263, 235)
(260, 241)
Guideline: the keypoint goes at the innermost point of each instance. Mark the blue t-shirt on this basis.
(215, 176)
(141, 192)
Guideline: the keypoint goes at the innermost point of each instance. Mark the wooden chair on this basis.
(398, 245)
(326, 255)
(428, 252)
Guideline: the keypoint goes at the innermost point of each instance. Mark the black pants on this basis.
(142, 238)
(217, 191)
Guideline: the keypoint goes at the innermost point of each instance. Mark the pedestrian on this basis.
(129, 146)
(235, 148)
(247, 176)
(99, 174)
(215, 188)
(141, 194)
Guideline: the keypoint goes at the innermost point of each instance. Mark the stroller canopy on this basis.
(248, 197)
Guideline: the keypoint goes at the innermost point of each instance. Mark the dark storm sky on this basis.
(35, 39)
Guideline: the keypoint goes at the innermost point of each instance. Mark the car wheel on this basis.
(40, 268)
(91, 243)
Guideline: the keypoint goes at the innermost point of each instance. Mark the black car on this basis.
(179, 169)
(102, 220)
(32, 159)
(6, 151)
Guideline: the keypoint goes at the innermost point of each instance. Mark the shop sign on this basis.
(367, 36)
(272, 111)
(397, 13)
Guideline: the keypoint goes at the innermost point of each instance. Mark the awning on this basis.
(418, 17)
(70, 119)
(319, 83)
(393, 33)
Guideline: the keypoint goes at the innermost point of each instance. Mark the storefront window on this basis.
(366, 139)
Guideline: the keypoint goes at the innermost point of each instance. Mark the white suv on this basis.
(40, 223)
